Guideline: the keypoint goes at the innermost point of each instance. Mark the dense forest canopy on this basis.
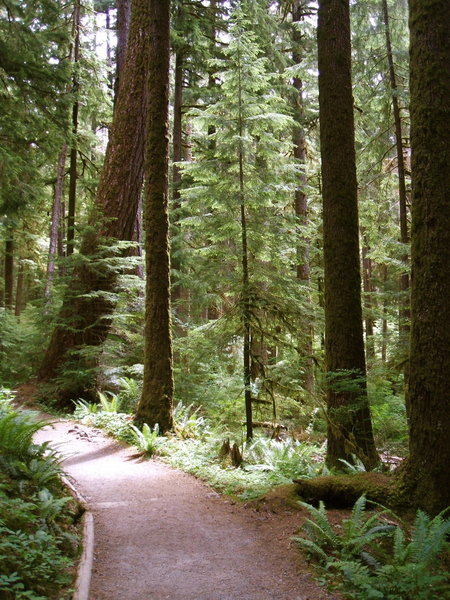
(282, 155)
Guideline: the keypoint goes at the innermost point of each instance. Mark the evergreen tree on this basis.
(348, 415)
(239, 216)
(155, 406)
(84, 319)
(427, 477)
(33, 78)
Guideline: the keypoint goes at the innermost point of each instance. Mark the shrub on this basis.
(37, 543)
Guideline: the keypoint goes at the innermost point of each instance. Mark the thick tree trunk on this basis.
(122, 31)
(349, 421)
(428, 475)
(9, 272)
(85, 320)
(155, 406)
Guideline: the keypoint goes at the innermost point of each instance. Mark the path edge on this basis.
(85, 564)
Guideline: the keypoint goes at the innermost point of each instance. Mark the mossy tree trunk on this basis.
(155, 406)
(427, 476)
(349, 421)
(84, 319)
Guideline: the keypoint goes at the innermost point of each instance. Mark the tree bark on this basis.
(9, 272)
(428, 476)
(19, 289)
(402, 196)
(349, 421)
(85, 320)
(73, 170)
(122, 31)
(368, 302)
(155, 406)
(55, 224)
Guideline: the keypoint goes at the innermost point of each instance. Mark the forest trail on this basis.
(162, 535)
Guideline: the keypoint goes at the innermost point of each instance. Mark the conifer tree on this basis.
(155, 406)
(349, 421)
(240, 193)
(33, 79)
(84, 319)
(427, 477)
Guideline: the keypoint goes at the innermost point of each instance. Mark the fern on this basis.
(111, 405)
(16, 433)
(148, 440)
(320, 530)
(411, 570)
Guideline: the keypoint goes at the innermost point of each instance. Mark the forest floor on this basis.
(161, 534)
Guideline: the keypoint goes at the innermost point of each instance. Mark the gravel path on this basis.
(162, 535)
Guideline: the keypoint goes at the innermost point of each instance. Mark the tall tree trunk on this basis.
(405, 310)
(428, 476)
(246, 312)
(177, 292)
(19, 289)
(403, 210)
(349, 421)
(73, 171)
(384, 338)
(122, 31)
(55, 224)
(9, 272)
(368, 301)
(155, 406)
(301, 206)
(85, 314)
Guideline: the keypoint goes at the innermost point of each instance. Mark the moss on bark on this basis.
(155, 406)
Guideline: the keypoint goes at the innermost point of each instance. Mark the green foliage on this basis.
(284, 459)
(21, 340)
(148, 441)
(403, 567)
(129, 393)
(37, 544)
(358, 532)
(111, 405)
(115, 424)
(187, 422)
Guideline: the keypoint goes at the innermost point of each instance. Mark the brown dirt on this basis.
(160, 534)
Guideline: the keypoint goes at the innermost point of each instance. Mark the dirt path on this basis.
(162, 535)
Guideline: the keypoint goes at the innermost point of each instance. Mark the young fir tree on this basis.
(348, 415)
(242, 185)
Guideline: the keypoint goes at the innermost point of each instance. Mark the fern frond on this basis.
(312, 548)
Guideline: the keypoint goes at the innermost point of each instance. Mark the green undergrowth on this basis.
(374, 555)
(195, 447)
(38, 539)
